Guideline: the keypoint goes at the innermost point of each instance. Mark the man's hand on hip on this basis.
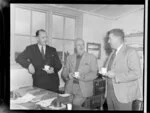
(31, 69)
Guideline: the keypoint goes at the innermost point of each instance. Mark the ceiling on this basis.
(108, 11)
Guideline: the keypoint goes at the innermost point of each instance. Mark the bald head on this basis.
(79, 46)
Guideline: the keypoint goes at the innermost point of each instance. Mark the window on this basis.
(63, 35)
(38, 21)
(26, 23)
(22, 21)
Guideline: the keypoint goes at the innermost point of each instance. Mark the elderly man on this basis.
(79, 72)
(123, 71)
(38, 56)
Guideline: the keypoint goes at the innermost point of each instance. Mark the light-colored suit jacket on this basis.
(88, 71)
(126, 65)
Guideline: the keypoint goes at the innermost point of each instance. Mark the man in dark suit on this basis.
(35, 57)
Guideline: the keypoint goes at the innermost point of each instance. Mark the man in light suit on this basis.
(84, 63)
(123, 71)
(35, 57)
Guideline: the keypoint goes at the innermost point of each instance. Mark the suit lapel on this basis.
(38, 51)
(118, 56)
(82, 60)
(109, 59)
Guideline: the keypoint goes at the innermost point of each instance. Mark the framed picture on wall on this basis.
(95, 49)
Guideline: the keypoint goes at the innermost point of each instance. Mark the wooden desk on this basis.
(44, 94)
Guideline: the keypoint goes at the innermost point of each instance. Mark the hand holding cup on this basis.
(48, 69)
(103, 71)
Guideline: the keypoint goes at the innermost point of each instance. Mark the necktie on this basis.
(78, 59)
(42, 51)
(111, 60)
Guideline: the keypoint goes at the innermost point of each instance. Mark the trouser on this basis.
(112, 102)
(78, 98)
(45, 81)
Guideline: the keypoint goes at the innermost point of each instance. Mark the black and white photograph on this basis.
(77, 56)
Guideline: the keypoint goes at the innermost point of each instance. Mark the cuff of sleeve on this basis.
(117, 80)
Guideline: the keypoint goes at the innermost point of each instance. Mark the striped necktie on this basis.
(111, 60)
(42, 51)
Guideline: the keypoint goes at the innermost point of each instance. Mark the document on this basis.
(46, 103)
(64, 95)
(17, 106)
(38, 98)
(26, 98)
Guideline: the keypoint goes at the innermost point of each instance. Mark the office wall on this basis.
(94, 31)
(20, 77)
(132, 22)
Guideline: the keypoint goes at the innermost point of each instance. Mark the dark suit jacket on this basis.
(41, 79)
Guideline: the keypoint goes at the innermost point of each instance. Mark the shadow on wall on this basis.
(107, 48)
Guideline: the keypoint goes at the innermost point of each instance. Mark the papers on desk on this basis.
(46, 103)
(38, 98)
(17, 106)
(27, 97)
(23, 90)
(64, 95)
(63, 106)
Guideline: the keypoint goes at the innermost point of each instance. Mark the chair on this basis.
(137, 105)
(97, 100)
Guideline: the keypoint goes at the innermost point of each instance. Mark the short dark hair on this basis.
(117, 32)
(38, 32)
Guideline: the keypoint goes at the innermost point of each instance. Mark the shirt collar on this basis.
(40, 47)
(118, 48)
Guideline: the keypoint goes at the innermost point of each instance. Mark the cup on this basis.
(69, 106)
(76, 74)
(104, 70)
(46, 67)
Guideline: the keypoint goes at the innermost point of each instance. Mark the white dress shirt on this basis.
(118, 48)
(40, 47)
